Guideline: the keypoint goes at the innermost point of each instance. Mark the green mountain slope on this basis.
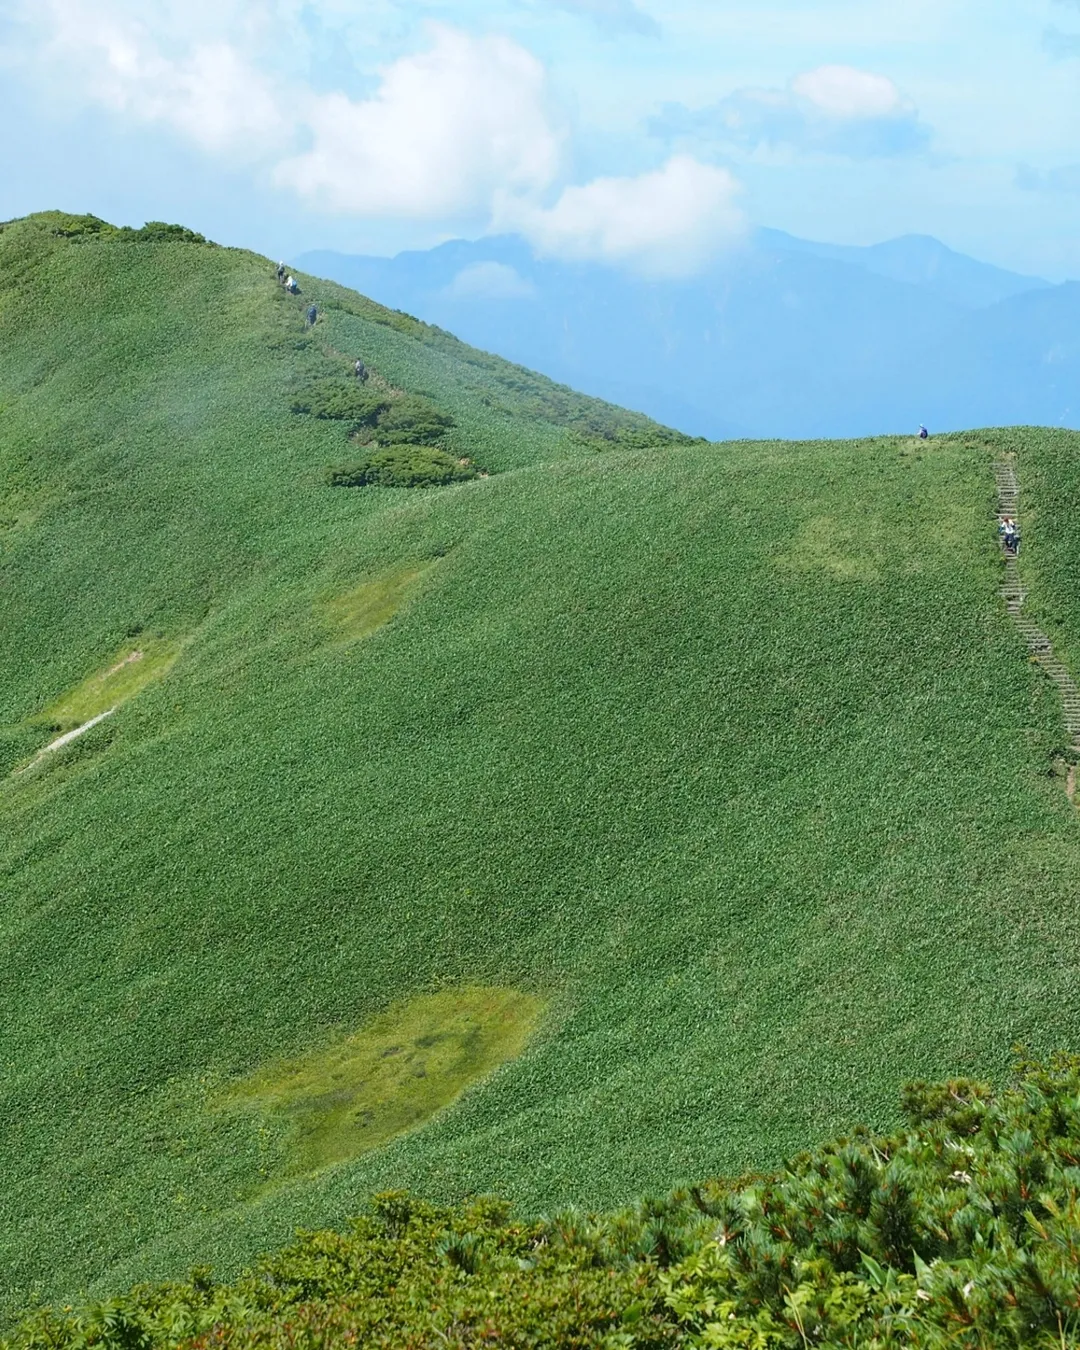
(679, 798)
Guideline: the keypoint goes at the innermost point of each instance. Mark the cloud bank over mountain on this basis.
(282, 123)
(832, 110)
(668, 223)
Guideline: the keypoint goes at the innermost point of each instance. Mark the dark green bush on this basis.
(76, 227)
(403, 466)
(158, 232)
(68, 226)
(342, 400)
(413, 420)
(407, 420)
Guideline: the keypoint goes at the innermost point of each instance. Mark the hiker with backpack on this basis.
(360, 370)
(281, 274)
(1010, 535)
(312, 315)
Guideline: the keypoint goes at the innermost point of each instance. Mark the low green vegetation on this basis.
(959, 1231)
(364, 608)
(392, 1075)
(340, 400)
(133, 668)
(412, 421)
(403, 466)
(402, 434)
(731, 753)
(66, 226)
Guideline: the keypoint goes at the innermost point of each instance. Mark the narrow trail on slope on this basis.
(66, 739)
(1039, 645)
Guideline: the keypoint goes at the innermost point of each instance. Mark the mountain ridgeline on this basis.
(621, 810)
(781, 337)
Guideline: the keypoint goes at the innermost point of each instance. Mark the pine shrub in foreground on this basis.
(962, 1230)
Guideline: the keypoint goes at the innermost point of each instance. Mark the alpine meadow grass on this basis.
(727, 755)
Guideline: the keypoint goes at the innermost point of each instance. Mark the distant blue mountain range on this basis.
(782, 338)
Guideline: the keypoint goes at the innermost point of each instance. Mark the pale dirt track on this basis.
(1014, 595)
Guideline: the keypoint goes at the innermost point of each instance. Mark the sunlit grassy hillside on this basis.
(640, 811)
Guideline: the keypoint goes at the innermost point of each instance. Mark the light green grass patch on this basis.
(130, 671)
(392, 1075)
(365, 608)
(824, 545)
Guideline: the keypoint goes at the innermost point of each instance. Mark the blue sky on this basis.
(630, 132)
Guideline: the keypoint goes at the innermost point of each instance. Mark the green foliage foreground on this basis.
(961, 1230)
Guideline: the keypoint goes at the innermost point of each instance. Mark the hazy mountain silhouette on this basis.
(782, 338)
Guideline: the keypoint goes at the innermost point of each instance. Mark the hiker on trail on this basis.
(1010, 535)
(924, 435)
(312, 315)
(281, 273)
(360, 370)
(291, 286)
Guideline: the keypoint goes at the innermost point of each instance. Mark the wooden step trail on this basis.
(1014, 595)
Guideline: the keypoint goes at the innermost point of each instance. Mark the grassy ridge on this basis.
(729, 753)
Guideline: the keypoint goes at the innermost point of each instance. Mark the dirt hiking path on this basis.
(1039, 645)
(66, 739)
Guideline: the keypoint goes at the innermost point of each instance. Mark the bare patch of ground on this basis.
(128, 674)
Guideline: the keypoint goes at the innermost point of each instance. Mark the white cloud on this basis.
(442, 130)
(445, 129)
(667, 223)
(847, 93)
(210, 92)
(835, 110)
(213, 97)
(460, 132)
(489, 281)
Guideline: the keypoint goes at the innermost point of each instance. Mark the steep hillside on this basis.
(641, 810)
